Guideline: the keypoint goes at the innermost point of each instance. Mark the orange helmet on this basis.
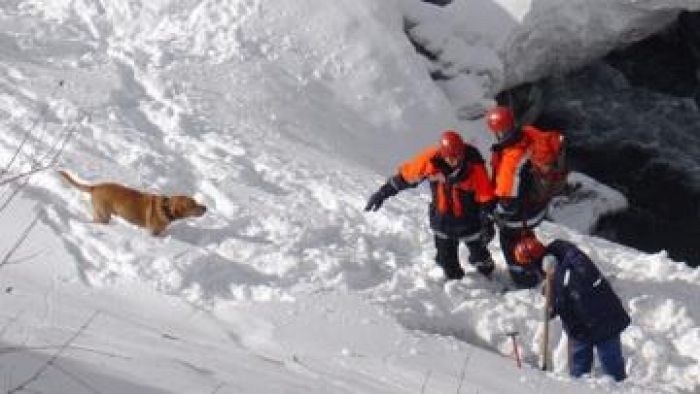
(451, 144)
(499, 119)
(528, 249)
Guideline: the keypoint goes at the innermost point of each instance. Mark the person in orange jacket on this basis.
(525, 176)
(461, 197)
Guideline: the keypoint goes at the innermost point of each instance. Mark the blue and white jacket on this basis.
(584, 300)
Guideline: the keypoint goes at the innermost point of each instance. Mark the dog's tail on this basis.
(72, 181)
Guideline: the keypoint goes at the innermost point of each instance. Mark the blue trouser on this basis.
(609, 355)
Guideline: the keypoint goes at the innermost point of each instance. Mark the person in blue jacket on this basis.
(591, 312)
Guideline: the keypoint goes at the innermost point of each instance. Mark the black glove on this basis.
(488, 230)
(458, 174)
(375, 201)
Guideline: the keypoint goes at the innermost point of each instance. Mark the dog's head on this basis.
(183, 207)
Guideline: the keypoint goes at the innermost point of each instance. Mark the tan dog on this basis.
(147, 210)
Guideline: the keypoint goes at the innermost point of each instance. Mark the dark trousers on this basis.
(447, 255)
(609, 355)
(523, 278)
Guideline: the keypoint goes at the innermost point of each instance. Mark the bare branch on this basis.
(26, 258)
(24, 174)
(19, 242)
(28, 132)
(20, 349)
(9, 323)
(14, 194)
(17, 151)
(52, 154)
(464, 370)
(47, 160)
(218, 387)
(77, 379)
(59, 145)
(51, 361)
(425, 381)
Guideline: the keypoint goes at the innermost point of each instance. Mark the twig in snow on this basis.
(45, 161)
(25, 138)
(21, 260)
(59, 145)
(9, 323)
(425, 381)
(19, 349)
(51, 361)
(24, 174)
(77, 379)
(54, 152)
(218, 387)
(464, 370)
(52, 155)
(42, 116)
(19, 242)
(12, 195)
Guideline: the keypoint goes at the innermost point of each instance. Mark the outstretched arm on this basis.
(392, 186)
(409, 174)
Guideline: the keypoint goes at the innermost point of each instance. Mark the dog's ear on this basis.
(177, 206)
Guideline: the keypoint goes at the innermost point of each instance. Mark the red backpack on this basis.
(547, 152)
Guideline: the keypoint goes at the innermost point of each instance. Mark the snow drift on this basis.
(484, 46)
(281, 117)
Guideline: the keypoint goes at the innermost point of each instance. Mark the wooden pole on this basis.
(545, 351)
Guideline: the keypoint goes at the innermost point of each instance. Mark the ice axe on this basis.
(516, 352)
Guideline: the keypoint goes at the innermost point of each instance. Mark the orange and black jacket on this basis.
(513, 178)
(458, 195)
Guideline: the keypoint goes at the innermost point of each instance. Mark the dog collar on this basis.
(165, 206)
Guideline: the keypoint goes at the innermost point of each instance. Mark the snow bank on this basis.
(485, 46)
(281, 119)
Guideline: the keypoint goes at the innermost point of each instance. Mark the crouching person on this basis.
(461, 197)
(591, 313)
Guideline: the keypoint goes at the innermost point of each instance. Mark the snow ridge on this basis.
(283, 129)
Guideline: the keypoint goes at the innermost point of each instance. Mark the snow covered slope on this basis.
(485, 46)
(282, 117)
(60, 336)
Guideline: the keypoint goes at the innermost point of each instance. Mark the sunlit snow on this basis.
(282, 117)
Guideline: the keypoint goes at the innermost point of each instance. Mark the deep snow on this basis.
(283, 129)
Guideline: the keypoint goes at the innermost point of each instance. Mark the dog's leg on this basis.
(100, 216)
(157, 231)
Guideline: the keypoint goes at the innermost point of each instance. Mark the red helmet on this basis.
(451, 144)
(500, 118)
(528, 249)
